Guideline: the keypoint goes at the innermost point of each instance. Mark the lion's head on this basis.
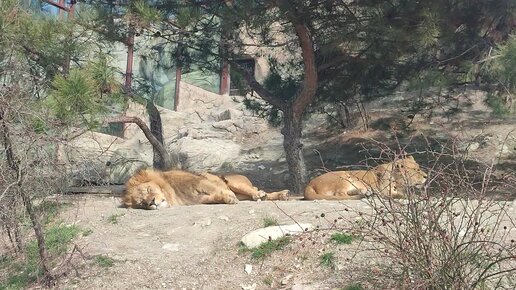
(407, 172)
(143, 190)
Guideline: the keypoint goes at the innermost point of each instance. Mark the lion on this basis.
(244, 189)
(387, 180)
(154, 189)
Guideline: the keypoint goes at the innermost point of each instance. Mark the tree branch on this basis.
(306, 92)
(156, 144)
(259, 88)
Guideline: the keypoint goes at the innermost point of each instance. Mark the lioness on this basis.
(152, 189)
(388, 180)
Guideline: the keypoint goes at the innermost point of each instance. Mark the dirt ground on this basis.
(197, 247)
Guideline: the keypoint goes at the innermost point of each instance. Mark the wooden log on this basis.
(101, 189)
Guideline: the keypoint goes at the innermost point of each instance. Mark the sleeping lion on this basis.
(387, 180)
(152, 189)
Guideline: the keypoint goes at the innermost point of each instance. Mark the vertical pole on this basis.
(179, 72)
(71, 11)
(128, 72)
(224, 78)
(129, 66)
(61, 12)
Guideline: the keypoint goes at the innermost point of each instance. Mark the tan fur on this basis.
(387, 180)
(151, 189)
(244, 189)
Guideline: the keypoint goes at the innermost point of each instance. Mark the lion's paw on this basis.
(283, 195)
(230, 198)
(259, 195)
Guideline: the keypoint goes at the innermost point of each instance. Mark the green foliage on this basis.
(269, 221)
(355, 286)
(113, 219)
(498, 104)
(76, 96)
(342, 238)
(23, 272)
(85, 94)
(104, 261)
(267, 248)
(501, 69)
(57, 239)
(39, 125)
(49, 210)
(87, 232)
(328, 259)
(142, 14)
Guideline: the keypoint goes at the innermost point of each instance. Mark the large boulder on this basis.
(124, 163)
(205, 154)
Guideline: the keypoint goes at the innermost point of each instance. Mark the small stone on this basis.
(248, 268)
(204, 222)
(286, 279)
(251, 287)
(223, 217)
(261, 167)
(252, 211)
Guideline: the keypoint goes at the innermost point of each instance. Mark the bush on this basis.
(448, 235)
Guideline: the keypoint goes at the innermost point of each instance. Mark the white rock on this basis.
(171, 247)
(261, 167)
(252, 211)
(248, 268)
(251, 287)
(259, 236)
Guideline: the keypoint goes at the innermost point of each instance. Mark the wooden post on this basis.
(179, 72)
(130, 56)
(128, 72)
(224, 78)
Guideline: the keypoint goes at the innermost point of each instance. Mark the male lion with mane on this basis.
(152, 189)
(387, 180)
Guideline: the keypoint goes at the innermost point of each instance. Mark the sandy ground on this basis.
(197, 247)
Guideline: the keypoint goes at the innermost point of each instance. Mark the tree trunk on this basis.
(156, 127)
(14, 164)
(38, 231)
(294, 152)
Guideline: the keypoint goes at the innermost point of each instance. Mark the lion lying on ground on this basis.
(152, 189)
(387, 180)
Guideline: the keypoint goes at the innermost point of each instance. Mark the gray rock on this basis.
(206, 154)
(229, 114)
(123, 164)
(227, 125)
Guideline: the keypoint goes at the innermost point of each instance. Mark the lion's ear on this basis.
(411, 157)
